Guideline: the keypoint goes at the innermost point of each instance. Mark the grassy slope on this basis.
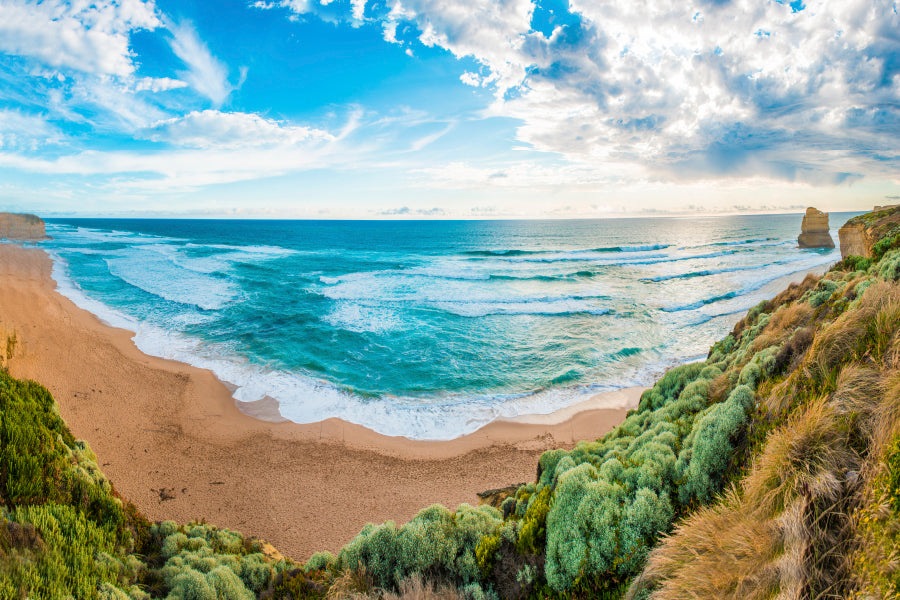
(772, 469)
(64, 532)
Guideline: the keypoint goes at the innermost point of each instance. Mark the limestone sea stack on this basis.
(814, 230)
(21, 227)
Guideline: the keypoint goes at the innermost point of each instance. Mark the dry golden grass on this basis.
(793, 291)
(723, 551)
(806, 457)
(884, 416)
(358, 585)
(352, 585)
(879, 306)
(415, 588)
(781, 534)
(782, 325)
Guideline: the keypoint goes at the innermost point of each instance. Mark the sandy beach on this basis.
(173, 441)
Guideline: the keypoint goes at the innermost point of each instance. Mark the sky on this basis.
(447, 108)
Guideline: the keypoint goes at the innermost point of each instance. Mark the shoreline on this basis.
(173, 440)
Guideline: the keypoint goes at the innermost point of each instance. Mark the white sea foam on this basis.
(305, 399)
(559, 306)
(158, 275)
(352, 316)
(374, 301)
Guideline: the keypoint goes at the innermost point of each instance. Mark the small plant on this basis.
(11, 345)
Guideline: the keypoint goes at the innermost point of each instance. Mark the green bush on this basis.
(73, 538)
(436, 541)
(200, 548)
(64, 564)
(889, 266)
(710, 446)
(854, 263)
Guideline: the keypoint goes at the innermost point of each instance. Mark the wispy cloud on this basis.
(216, 129)
(205, 73)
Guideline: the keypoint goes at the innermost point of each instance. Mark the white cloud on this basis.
(748, 87)
(731, 88)
(470, 78)
(389, 32)
(157, 84)
(215, 129)
(203, 148)
(21, 131)
(91, 37)
(205, 73)
(359, 9)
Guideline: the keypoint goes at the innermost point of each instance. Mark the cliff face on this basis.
(853, 241)
(814, 230)
(872, 234)
(21, 227)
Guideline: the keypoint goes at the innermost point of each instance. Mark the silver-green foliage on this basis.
(822, 292)
(208, 563)
(762, 365)
(613, 497)
(889, 266)
(436, 541)
(709, 447)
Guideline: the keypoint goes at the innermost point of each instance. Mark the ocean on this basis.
(427, 329)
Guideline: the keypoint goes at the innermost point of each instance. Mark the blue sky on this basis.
(447, 108)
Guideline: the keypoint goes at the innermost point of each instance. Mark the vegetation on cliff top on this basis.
(770, 469)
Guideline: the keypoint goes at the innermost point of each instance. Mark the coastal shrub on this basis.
(669, 385)
(65, 534)
(64, 563)
(721, 349)
(889, 266)
(436, 541)
(710, 446)
(822, 292)
(533, 530)
(42, 463)
(888, 241)
(319, 561)
(206, 549)
(854, 263)
(762, 365)
(596, 526)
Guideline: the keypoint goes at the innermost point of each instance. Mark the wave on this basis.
(699, 303)
(359, 318)
(528, 277)
(801, 265)
(627, 352)
(601, 250)
(490, 253)
(704, 273)
(640, 248)
(303, 398)
(667, 259)
(155, 274)
(743, 242)
(569, 306)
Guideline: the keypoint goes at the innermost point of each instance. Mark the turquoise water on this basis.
(427, 329)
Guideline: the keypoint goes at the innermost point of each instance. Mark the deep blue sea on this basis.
(427, 329)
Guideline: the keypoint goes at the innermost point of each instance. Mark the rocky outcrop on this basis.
(21, 227)
(854, 240)
(814, 230)
(859, 235)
